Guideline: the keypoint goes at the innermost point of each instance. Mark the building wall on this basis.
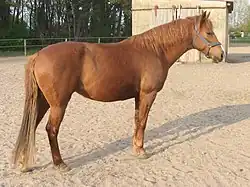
(143, 18)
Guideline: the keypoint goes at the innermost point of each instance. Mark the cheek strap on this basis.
(208, 44)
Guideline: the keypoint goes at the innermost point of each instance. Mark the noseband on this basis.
(208, 44)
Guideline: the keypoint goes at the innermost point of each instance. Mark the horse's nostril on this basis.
(222, 55)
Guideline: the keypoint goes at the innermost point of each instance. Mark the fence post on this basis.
(99, 40)
(25, 47)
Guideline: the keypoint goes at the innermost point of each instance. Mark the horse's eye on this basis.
(210, 33)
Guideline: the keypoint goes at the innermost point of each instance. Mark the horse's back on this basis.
(60, 55)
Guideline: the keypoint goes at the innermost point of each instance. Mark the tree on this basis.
(4, 17)
(66, 18)
(240, 13)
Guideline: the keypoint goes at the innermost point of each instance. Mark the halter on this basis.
(209, 44)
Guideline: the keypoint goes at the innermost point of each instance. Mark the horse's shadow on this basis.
(180, 130)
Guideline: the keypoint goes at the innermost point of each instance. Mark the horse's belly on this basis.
(102, 83)
(108, 92)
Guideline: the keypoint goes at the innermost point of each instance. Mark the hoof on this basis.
(25, 170)
(62, 167)
(140, 154)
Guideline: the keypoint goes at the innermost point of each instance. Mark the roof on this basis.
(220, 0)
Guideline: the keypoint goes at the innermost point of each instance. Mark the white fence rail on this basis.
(17, 47)
(30, 45)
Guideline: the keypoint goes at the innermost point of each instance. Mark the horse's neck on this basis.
(168, 41)
(177, 43)
(175, 52)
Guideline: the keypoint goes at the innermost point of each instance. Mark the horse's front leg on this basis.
(143, 104)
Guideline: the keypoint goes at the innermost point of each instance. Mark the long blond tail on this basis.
(24, 150)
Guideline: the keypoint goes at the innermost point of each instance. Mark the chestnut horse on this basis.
(136, 67)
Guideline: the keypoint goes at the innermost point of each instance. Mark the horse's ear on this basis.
(208, 14)
(204, 15)
(203, 18)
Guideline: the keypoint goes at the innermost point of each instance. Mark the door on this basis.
(166, 15)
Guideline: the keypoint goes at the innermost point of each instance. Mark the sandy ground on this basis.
(198, 132)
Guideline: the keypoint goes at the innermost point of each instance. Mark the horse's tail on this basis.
(24, 150)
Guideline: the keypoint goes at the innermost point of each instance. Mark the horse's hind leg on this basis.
(52, 128)
(43, 107)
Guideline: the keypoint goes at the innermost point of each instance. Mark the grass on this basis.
(240, 40)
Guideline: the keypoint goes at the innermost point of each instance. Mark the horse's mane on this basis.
(166, 35)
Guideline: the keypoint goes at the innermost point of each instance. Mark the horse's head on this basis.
(205, 40)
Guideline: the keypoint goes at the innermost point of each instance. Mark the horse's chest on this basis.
(154, 81)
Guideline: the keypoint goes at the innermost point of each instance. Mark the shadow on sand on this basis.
(238, 58)
(199, 124)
